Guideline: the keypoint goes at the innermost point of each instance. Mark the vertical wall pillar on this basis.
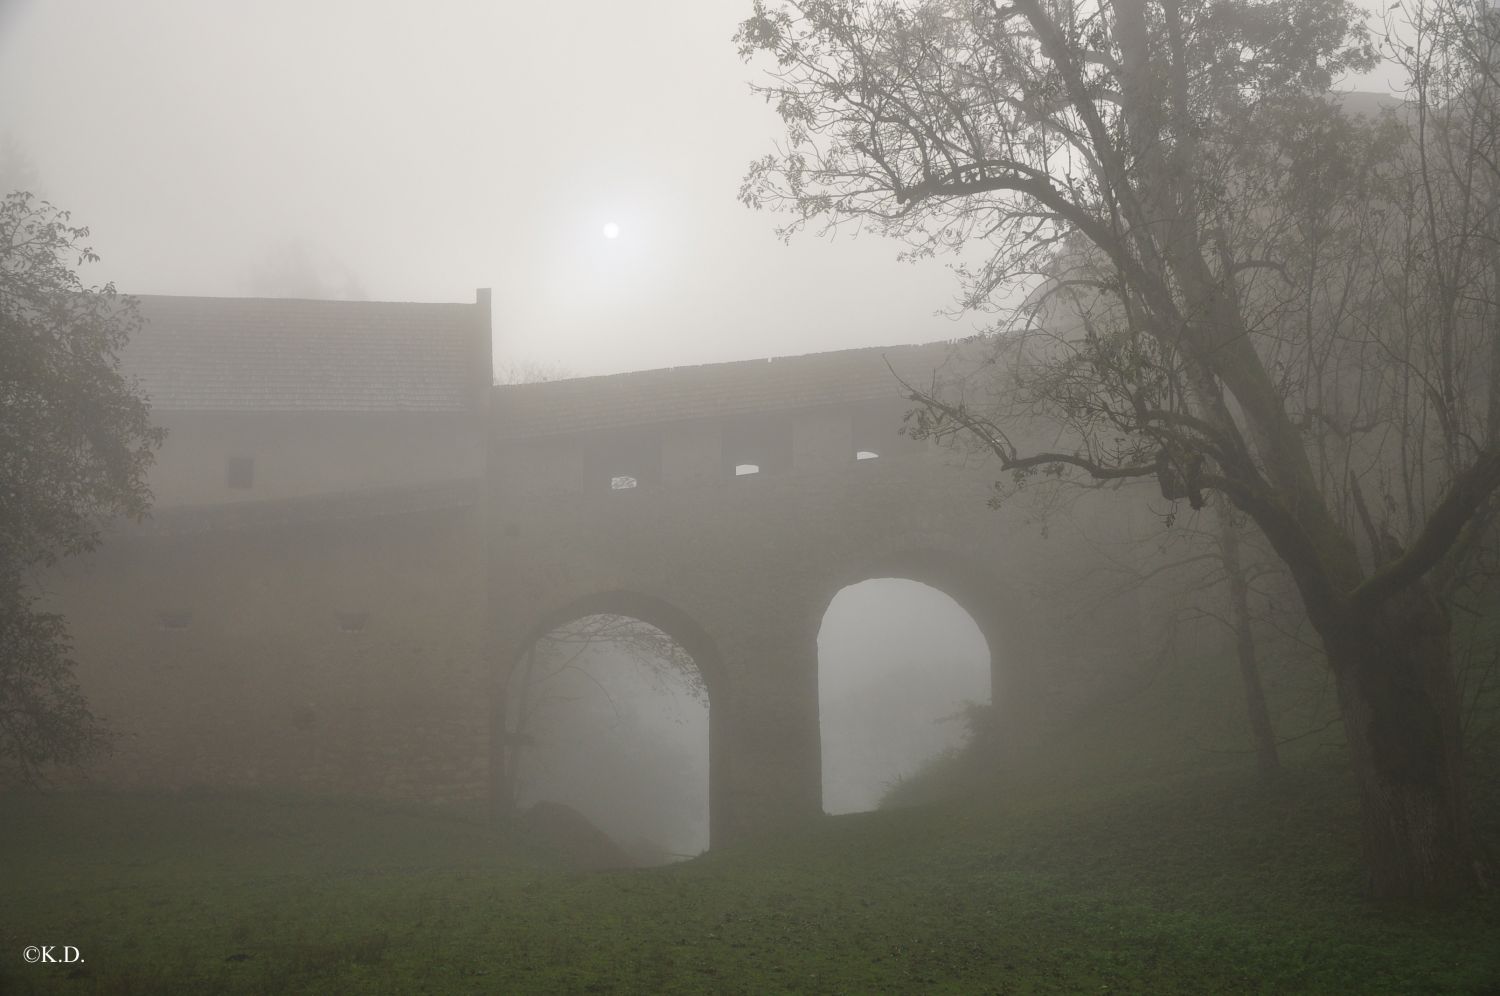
(1016, 629)
(775, 765)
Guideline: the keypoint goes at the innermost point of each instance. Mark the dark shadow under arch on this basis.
(698, 644)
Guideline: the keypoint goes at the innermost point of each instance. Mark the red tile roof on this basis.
(723, 389)
(264, 354)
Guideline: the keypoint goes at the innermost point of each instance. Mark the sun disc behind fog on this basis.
(611, 230)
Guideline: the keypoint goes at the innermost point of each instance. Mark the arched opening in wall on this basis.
(899, 663)
(608, 716)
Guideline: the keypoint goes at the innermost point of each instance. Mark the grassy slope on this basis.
(1123, 859)
(1199, 884)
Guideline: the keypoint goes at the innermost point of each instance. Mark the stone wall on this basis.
(333, 655)
(360, 642)
(298, 454)
(747, 565)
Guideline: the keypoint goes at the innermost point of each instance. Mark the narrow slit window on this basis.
(746, 469)
(623, 482)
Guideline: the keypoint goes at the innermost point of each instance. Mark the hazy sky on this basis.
(418, 151)
(424, 150)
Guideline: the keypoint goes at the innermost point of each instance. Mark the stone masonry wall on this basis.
(337, 656)
(753, 561)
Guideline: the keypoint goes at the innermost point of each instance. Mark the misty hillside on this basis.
(751, 496)
(1204, 881)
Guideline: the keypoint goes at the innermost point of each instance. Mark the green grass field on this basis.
(1198, 883)
(1137, 854)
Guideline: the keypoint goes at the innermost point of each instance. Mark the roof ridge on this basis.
(330, 301)
(724, 364)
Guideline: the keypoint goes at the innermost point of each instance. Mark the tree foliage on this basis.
(1214, 276)
(75, 443)
(44, 719)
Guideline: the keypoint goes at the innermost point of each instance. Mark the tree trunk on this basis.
(1266, 757)
(1394, 670)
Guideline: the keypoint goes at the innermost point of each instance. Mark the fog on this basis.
(398, 152)
(406, 152)
(386, 152)
(328, 723)
(418, 152)
(897, 663)
(624, 741)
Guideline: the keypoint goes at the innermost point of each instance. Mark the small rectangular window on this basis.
(241, 472)
(628, 459)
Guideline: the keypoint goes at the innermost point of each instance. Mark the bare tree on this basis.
(1172, 176)
(1209, 568)
(513, 371)
(559, 652)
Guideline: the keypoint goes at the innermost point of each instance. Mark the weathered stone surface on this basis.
(740, 569)
(358, 638)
